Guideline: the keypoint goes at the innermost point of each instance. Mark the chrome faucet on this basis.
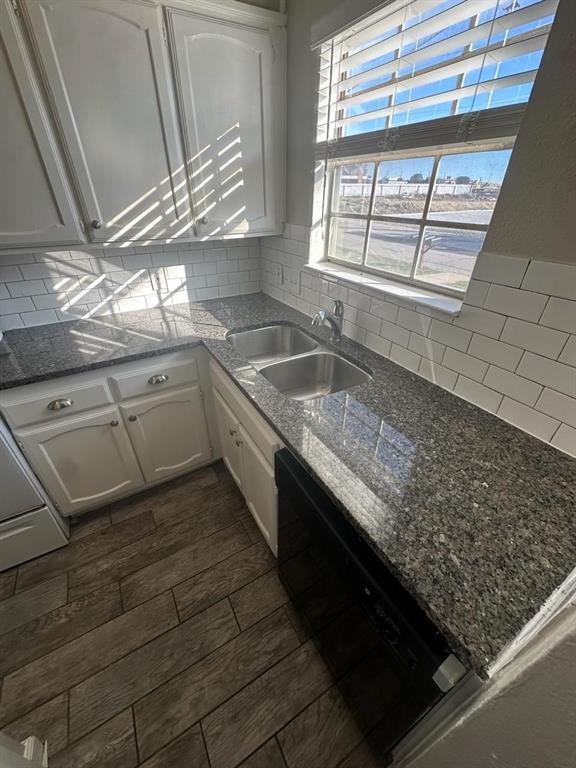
(334, 319)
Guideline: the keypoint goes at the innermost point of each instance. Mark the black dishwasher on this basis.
(388, 660)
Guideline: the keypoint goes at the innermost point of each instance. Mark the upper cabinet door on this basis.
(107, 73)
(230, 89)
(35, 206)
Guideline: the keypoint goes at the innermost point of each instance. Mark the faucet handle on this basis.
(338, 309)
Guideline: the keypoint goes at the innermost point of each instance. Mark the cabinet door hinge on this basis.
(15, 7)
(164, 34)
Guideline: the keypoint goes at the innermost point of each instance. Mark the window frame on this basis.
(422, 221)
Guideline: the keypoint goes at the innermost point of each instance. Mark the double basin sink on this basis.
(299, 366)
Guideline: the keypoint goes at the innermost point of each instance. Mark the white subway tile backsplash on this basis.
(378, 344)
(405, 358)
(568, 355)
(469, 366)
(560, 314)
(437, 374)
(36, 271)
(558, 406)
(476, 293)
(524, 305)
(367, 321)
(551, 279)
(9, 273)
(480, 321)
(383, 309)
(12, 306)
(504, 270)
(413, 321)
(359, 300)
(478, 394)
(565, 439)
(26, 288)
(7, 322)
(425, 347)
(4, 292)
(536, 338)
(548, 372)
(514, 386)
(448, 334)
(492, 351)
(528, 419)
(394, 333)
(43, 317)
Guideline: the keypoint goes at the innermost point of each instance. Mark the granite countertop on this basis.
(474, 517)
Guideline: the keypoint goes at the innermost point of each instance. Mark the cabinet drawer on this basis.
(265, 438)
(154, 378)
(55, 402)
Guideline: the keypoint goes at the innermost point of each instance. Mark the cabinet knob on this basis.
(58, 405)
(231, 432)
(114, 423)
(238, 443)
(132, 418)
(203, 220)
(95, 223)
(158, 378)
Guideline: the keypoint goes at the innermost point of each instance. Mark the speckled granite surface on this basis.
(477, 519)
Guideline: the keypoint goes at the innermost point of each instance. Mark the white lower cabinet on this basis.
(169, 432)
(98, 436)
(83, 461)
(229, 441)
(248, 446)
(259, 489)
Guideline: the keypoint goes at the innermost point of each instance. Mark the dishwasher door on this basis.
(381, 651)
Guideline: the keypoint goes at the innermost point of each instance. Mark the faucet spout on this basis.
(334, 320)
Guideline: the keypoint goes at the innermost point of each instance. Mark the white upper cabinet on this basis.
(35, 206)
(229, 80)
(106, 69)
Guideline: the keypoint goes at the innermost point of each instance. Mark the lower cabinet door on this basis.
(259, 489)
(169, 432)
(228, 430)
(83, 461)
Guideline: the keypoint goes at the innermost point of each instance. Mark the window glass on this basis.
(353, 187)
(402, 187)
(447, 256)
(392, 247)
(347, 239)
(467, 186)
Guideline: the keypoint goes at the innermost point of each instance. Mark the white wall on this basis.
(534, 216)
(523, 720)
(44, 287)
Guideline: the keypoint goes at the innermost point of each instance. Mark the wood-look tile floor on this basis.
(162, 637)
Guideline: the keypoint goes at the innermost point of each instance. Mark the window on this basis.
(419, 105)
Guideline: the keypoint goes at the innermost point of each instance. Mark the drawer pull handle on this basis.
(238, 443)
(58, 405)
(158, 378)
(132, 418)
(231, 432)
(114, 423)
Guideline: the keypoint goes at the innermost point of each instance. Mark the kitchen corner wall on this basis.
(48, 286)
(511, 351)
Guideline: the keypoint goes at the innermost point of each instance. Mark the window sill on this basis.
(383, 286)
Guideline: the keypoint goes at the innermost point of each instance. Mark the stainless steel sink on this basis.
(314, 375)
(274, 342)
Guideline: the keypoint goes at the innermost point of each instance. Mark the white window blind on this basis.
(429, 60)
